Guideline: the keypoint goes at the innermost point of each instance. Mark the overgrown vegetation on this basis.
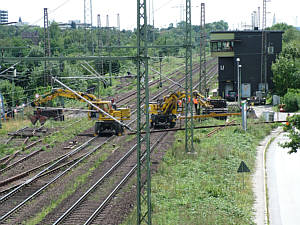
(293, 128)
(71, 128)
(71, 42)
(68, 129)
(286, 73)
(292, 100)
(205, 188)
(286, 68)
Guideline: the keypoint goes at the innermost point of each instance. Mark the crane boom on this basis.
(58, 92)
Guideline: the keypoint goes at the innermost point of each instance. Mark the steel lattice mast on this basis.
(143, 141)
(88, 20)
(47, 52)
(189, 123)
(264, 48)
(202, 72)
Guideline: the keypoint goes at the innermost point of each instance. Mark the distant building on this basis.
(31, 35)
(74, 24)
(3, 16)
(228, 46)
(20, 23)
(74, 21)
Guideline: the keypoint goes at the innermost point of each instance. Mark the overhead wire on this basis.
(162, 6)
(50, 12)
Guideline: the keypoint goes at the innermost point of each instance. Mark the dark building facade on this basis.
(245, 47)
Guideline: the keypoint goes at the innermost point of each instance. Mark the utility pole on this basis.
(258, 17)
(2, 110)
(109, 49)
(189, 123)
(202, 72)
(47, 51)
(119, 29)
(99, 31)
(149, 12)
(143, 141)
(264, 60)
(100, 44)
(160, 61)
(274, 20)
(153, 33)
(107, 21)
(88, 20)
(254, 19)
(13, 88)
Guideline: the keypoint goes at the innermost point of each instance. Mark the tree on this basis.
(13, 95)
(290, 32)
(291, 51)
(293, 128)
(283, 74)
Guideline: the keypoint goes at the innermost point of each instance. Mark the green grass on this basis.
(205, 188)
(68, 132)
(13, 125)
(65, 133)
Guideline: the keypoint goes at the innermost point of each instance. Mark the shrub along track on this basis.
(49, 194)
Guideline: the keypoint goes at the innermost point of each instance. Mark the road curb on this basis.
(270, 139)
(259, 179)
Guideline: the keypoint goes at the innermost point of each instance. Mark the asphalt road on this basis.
(278, 116)
(283, 180)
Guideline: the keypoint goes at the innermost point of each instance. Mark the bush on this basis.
(292, 100)
(294, 136)
(12, 94)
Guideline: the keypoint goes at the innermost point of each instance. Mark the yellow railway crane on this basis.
(164, 113)
(107, 119)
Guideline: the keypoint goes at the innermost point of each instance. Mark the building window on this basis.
(270, 50)
(222, 46)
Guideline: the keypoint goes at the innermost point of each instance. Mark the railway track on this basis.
(51, 173)
(34, 186)
(175, 73)
(17, 158)
(90, 204)
(26, 173)
(120, 100)
(45, 177)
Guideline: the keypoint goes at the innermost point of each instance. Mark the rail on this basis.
(111, 194)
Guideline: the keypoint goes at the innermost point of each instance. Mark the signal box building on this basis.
(244, 48)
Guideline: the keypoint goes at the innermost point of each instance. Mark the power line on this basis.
(162, 6)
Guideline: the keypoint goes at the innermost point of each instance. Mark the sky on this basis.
(236, 12)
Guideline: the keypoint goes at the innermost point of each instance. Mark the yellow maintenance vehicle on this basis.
(164, 112)
(107, 115)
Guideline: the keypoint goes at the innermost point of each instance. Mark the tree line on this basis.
(28, 41)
